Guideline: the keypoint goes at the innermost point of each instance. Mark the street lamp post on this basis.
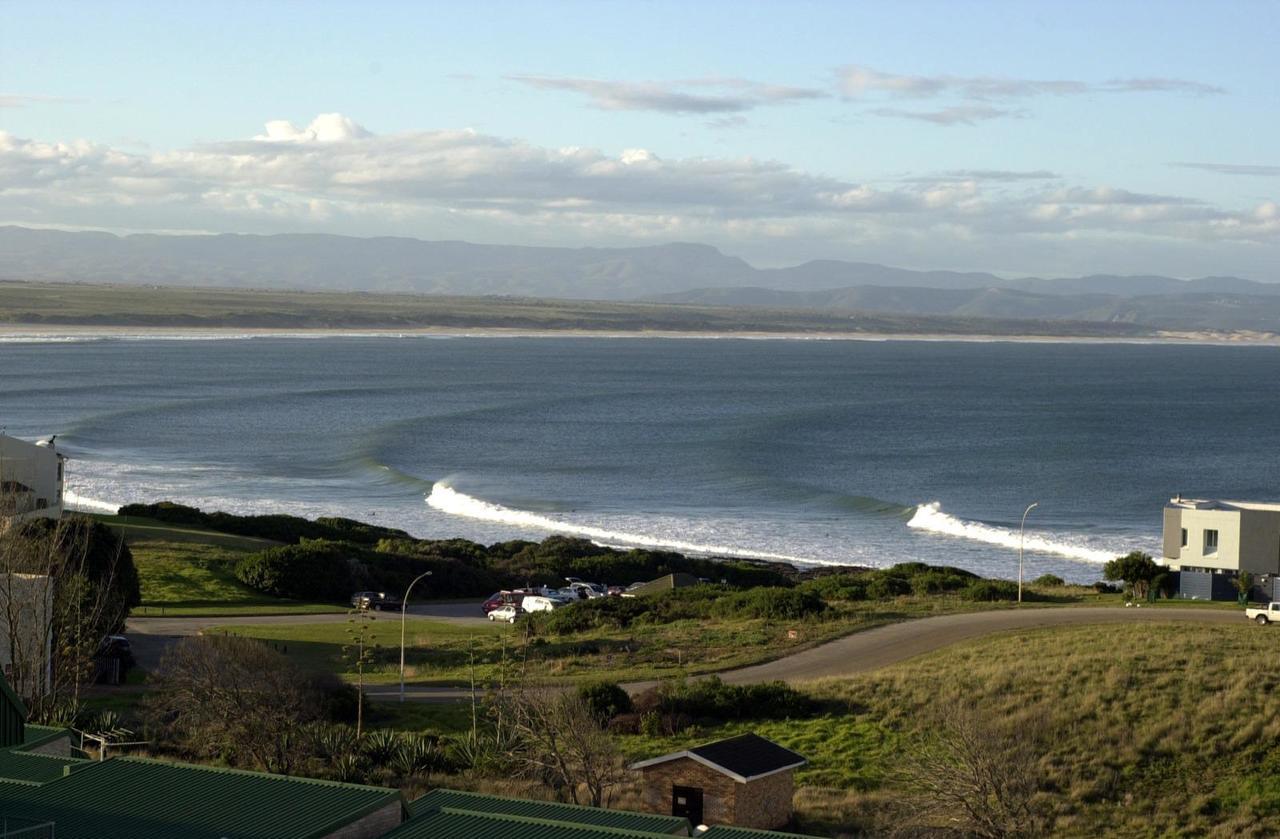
(1022, 538)
(404, 605)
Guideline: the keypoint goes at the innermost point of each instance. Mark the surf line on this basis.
(448, 500)
(930, 517)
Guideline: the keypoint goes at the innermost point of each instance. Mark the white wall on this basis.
(36, 467)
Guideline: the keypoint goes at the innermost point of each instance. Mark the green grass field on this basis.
(185, 570)
(1149, 730)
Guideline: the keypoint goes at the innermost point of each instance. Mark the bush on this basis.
(605, 700)
(712, 700)
(838, 586)
(309, 571)
(770, 604)
(990, 590)
(610, 612)
(885, 587)
(277, 528)
(1049, 581)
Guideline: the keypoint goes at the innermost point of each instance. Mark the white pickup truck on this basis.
(1267, 614)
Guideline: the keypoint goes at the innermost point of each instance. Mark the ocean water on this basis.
(830, 452)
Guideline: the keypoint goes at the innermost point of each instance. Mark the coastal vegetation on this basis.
(65, 304)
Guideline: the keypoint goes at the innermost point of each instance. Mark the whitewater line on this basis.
(448, 500)
(929, 517)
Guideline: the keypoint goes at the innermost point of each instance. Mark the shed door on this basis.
(687, 802)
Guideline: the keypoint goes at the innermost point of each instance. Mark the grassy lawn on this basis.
(187, 571)
(1152, 730)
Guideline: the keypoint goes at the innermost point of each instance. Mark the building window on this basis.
(1184, 537)
(59, 470)
(1210, 541)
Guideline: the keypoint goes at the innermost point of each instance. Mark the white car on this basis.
(539, 603)
(1269, 614)
(507, 613)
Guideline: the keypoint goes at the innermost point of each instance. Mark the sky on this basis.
(1022, 138)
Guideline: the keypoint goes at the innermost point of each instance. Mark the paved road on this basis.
(897, 642)
(857, 653)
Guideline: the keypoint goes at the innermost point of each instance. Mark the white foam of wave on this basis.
(931, 518)
(448, 500)
(89, 505)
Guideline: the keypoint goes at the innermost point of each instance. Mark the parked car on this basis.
(495, 601)
(507, 613)
(542, 603)
(375, 600)
(1267, 614)
(113, 660)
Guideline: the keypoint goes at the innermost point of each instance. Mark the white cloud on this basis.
(728, 96)
(336, 176)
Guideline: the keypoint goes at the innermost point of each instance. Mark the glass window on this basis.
(1184, 537)
(1210, 541)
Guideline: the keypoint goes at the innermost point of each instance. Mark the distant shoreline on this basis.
(37, 333)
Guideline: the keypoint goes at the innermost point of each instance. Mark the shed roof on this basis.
(723, 832)
(138, 798)
(475, 802)
(452, 823)
(743, 758)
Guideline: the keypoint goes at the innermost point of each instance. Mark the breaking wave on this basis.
(88, 505)
(448, 500)
(930, 517)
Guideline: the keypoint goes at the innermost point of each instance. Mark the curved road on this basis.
(852, 654)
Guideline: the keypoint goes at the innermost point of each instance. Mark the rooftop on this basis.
(743, 758)
(1181, 503)
(438, 799)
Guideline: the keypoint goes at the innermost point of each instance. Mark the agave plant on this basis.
(349, 767)
(381, 747)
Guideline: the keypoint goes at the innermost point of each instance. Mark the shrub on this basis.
(938, 580)
(712, 700)
(309, 571)
(838, 586)
(605, 700)
(885, 586)
(1049, 581)
(990, 590)
(612, 612)
(770, 604)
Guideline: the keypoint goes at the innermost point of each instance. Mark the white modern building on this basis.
(1222, 536)
(31, 479)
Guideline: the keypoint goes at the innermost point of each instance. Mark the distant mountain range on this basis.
(673, 273)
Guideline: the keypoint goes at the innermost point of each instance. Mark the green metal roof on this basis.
(448, 823)
(17, 765)
(137, 798)
(551, 811)
(723, 832)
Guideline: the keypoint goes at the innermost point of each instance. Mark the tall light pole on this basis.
(404, 605)
(1022, 539)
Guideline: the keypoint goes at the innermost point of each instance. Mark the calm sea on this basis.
(820, 451)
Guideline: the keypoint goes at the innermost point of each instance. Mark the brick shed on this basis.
(745, 781)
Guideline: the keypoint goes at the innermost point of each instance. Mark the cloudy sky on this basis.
(1020, 138)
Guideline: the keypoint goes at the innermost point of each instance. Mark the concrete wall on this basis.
(1227, 523)
(373, 825)
(1172, 532)
(57, 747)
(36, 467)
(1248, 540)
(1260, 541)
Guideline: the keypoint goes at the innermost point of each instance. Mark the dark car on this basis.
(375, 600)
(494, 601)
(113, 660)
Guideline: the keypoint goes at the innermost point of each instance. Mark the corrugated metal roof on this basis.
(17, 765)
(137, 798)
(723, 832)
(552, 811)
(448, 823)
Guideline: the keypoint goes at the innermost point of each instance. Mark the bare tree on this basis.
(561, 743)
(974, 775)
(64, 585)
(232, 698)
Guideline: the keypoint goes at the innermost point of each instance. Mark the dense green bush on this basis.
(1049, 581)
(770, 603)
(833, 587)
(605, 700)
(277, 528)
(602, 612)
(885, 586)
(312, 570)
(990, 591)
(712, 699)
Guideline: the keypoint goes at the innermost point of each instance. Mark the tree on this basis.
(1135, 568)
(976, 775)
(65, 584)
(559, 741)
(234, 699)
(1243, 584)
